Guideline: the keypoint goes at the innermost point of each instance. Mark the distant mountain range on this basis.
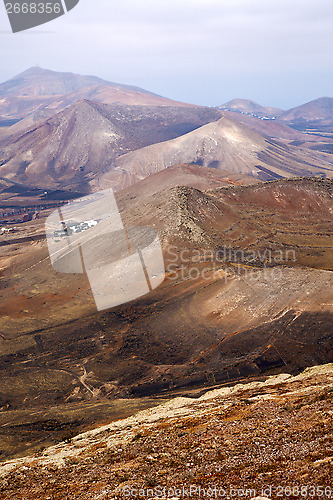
(43, 82)
(41, 93)
(250, 108)
(317, 113)
(67, 131)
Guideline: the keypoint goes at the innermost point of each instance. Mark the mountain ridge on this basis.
(215, 319)
(56, 82)
(74, 145)
(224, 144)
(317, 111)
(247, 106)
(40, 93)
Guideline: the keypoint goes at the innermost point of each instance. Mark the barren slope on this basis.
(262, 438)
(319, 110)
(249, 289)
(42, 92)
(226, 145)
(71, 148)
(315, 117)
(190, 175)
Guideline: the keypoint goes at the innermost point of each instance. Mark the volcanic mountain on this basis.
(91, 146)
(250, 108)
(304, 139)
(315, 114)
(266, 263)
(269, 128)
(194, 176)
(69, 149)
(248, 290)
(224, 144)
(40, 93)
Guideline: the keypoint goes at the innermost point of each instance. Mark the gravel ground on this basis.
(263, 439)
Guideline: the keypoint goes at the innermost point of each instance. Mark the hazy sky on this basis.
(276, 52)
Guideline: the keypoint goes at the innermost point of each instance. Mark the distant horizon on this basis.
(205, 52)
(165, 96)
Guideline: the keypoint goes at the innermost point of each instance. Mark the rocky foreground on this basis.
(261, 439)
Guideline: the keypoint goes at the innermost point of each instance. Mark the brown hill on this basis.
(41, 93)
(225, 442)
(224, 144)
(194, 176)
(38, 81)
(302, 137)
(305, 138)
(248, 107)
(69, 149)
(269, 128)
(249, 274)
(272, 278)
(314, 114)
